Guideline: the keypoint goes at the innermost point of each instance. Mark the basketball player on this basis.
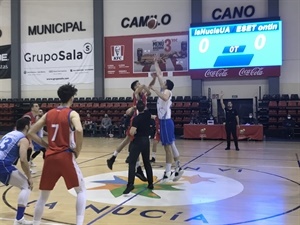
(32, 116)
(65, 135)
(156, 139)
(36, 147)
(140, 93)
(14, 145)
(167, 135)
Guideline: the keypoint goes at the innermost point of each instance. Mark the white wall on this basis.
(116, 10)
(5, 39)
(209, 6)
(290, 70)
(51, 12)
(44, 12)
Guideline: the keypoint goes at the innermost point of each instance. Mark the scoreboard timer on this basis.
(236, 45)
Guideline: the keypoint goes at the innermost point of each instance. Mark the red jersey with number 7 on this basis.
(60, 131)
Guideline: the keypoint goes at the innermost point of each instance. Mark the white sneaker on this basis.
(178, 174)
(166, 177)
(22, 222)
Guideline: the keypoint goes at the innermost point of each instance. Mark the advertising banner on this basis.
(5, 62)
(133, 56)
(58, 62)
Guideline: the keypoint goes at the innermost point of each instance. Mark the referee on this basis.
(140, 144)
(231, 122)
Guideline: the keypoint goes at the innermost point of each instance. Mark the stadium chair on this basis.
(187, 98)
(292, 103)
(266, 97)
(282, 104)
(272, 104)
(294, 97)
(121, 99)
(284, 97)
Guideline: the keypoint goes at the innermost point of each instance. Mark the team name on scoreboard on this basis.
(253, 27)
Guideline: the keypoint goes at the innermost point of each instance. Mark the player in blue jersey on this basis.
(13, 146)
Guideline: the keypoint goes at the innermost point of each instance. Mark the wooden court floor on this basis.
(259, 185)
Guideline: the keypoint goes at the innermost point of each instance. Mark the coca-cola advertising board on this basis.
(236, 73)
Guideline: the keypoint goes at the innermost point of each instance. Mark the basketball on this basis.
(152, 23)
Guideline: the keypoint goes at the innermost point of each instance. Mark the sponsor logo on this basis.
(60, 55)
(55, 28)
(4, 57)
(236, 12)
(216, 73)
(108, 188)
(257, 71)
(142, 21)
(117, 52)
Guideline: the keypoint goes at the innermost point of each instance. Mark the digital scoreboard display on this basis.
(248, 44)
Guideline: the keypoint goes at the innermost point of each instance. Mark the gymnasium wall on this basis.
(35, 14)
(5, 39)
(48, 12)
(289, 11)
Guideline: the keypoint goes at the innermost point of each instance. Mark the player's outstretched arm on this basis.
(221, 100)
(159, 73)
(75, 120)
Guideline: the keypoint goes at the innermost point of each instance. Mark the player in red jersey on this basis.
(65, 135)
(32, 116)
(141, 92)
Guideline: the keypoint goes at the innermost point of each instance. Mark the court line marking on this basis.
(27, 214)
(135, 195)
(298, 160)
(8, 219)
(234, 167)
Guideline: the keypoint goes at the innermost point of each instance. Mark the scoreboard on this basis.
(248, 44)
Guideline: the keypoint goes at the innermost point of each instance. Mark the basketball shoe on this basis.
(166, 177)
(128, 189)
(22, 222)
(110, 162)
(178, 174)
(139, 173)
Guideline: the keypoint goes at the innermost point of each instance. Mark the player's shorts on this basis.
(58, 165)
(5, 171)
(37, 147)
(167, 131)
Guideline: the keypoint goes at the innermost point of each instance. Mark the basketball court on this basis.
(258, 185)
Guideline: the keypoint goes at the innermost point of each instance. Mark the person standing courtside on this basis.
(140, 130)
(231, 123)
(65, 135)
(13, 146)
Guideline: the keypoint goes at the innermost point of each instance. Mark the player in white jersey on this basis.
(167, 130)
(13, 146)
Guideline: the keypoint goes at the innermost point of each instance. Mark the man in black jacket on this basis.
(139, 131)
(231, 123)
